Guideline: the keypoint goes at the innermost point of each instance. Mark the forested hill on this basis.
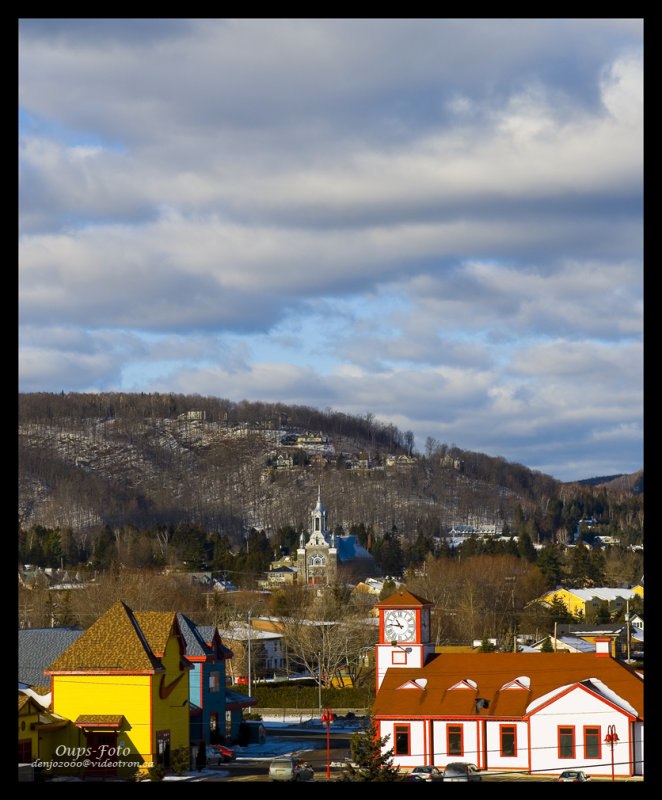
(94, 461)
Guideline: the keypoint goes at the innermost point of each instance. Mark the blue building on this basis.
(215, 716)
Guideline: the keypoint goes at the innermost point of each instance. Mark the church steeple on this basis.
(316, 558)
(319, 516)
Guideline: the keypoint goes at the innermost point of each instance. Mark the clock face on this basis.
(400, 626)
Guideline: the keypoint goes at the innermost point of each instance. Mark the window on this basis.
(214, 682)
(24, 751)
(566, 742)
(163, 748)
(592, 743)
(508, 740)
(401, 740)
(454, 744)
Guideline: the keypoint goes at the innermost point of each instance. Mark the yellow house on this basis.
(28, 720)
(584, 602)
(39, 731)
(124, 684)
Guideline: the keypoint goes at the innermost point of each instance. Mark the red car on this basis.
(223, 752)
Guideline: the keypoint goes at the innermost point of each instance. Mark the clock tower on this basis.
(404, 633)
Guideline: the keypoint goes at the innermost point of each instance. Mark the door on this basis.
(102, 750)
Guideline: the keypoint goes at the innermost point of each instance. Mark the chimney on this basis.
(603, 648)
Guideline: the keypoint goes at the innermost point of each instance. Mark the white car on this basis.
(424, 774)
(290, 769)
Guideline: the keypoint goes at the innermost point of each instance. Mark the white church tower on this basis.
(317, 559)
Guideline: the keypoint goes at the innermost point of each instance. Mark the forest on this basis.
(115, 485)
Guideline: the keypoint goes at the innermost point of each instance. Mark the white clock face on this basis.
(400, 626)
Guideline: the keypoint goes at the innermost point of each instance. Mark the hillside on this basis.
(91, 461)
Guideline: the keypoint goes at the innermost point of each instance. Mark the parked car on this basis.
(290, 769)
(424, 774)
(461, 771)
(214, 756)
(573, 776)
(219, 754)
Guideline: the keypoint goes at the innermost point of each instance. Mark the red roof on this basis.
(494, 677)
(404, 599)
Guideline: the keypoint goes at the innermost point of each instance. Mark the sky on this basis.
(436, 222)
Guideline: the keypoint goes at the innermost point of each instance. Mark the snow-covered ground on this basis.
(275, 746)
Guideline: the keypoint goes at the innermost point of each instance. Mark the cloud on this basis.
(437, 221)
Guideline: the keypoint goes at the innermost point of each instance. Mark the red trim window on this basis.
(454, 740)
(566, 742)
(508, 740)
(592, 742)
(163, 748)
(402, 740)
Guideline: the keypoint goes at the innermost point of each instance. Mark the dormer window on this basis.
(467, 683)
(522, 682)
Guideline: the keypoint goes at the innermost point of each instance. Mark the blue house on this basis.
(215, 712)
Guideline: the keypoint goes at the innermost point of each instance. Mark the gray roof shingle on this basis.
(38, 648)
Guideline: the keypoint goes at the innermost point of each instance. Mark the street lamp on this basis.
(327, 717)
(610, 738)
(250, 614)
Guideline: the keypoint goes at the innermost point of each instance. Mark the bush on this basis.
(300, 696)
(156, 773)
(180, 760)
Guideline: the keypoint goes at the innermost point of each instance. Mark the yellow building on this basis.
(124, 684)
(585, 602)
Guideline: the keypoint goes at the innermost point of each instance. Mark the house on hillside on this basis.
(534, 712)
(586, 602)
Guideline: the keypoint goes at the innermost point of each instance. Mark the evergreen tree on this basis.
(549, 564)
(369, 763)
(526, 548)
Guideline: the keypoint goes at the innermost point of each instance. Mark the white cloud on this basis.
(438, 221)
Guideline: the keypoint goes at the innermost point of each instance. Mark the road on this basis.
(245, 769)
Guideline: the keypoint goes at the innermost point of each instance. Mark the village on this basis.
(143, 694)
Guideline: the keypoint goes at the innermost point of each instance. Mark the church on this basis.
(322, 553)
(317, 558)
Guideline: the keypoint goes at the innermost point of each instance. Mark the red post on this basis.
(327, 717)
(610, 738)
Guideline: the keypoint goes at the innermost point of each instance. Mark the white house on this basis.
(534, 712)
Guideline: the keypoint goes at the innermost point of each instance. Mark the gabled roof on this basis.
(196, 646)
(157, 626)
(114, 643)
(493, 675)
